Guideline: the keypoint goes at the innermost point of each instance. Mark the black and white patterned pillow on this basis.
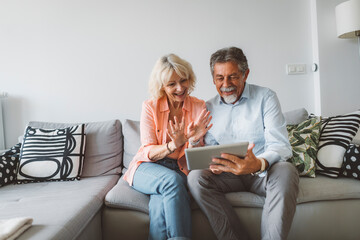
(335, 137)
(51, 154)
(351, 165)
(8, 165)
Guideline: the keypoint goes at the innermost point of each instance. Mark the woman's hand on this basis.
(196, 130)
(176, 132)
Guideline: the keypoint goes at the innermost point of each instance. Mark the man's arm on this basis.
(277, 146)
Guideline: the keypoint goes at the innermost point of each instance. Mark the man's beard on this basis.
(229, 99)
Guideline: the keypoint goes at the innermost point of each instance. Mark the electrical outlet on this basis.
(293, 69)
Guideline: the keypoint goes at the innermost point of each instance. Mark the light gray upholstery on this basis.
(132, 141)
(320, 188)
(61, 210)
(330, 220)
(296, 116)
(103, 148)
(124, 196)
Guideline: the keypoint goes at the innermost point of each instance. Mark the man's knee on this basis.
(199, 178)
(284, 176)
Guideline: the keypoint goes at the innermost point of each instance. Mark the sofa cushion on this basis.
(60, 210)
(304, 138)
(335, 137)
(320, 188)
(51, 154)
(132, 141)
(104, 146)
(124, 196)
(295, 116)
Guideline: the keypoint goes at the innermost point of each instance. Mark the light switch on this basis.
(292, 69)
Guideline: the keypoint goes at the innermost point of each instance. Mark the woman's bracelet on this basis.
(167, 146)
(194, 143)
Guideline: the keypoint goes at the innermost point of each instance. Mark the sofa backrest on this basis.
(131, 131)
(103, 148)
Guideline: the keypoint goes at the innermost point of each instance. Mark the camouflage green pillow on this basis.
(304, 139)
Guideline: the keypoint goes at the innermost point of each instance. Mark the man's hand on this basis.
(237, 165)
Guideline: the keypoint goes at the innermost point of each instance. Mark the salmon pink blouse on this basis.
(153, 127)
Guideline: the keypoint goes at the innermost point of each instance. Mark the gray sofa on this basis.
(70, 209)
(327, 208)
(102, 205)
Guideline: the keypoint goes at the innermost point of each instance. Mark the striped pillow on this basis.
(51, 154)
(335, 137)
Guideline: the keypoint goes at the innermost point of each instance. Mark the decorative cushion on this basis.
(51, 154)
(351, 165)
(356, 139)
(335, 137)
(304, 138)
(104, 146)
(8, 164)
(132, 141)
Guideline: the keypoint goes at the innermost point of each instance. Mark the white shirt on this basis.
(256, 117)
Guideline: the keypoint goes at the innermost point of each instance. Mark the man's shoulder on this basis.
(257, 90)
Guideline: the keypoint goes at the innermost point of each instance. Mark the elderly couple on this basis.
(173, 120)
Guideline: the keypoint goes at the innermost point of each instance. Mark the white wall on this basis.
(339, 64)
(89, 60)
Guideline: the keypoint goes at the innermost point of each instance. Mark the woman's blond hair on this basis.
(163, 70)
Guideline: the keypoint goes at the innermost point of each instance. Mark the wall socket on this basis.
(293, 69)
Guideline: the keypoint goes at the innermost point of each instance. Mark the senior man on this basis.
(246, 112)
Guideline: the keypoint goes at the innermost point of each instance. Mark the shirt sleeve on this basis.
(277, 146)
(209, 140)
(147, 129)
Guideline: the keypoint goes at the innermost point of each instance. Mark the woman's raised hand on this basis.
(176, 132)
(196, 130)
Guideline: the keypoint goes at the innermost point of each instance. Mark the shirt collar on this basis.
(245, 95)
(164, 106)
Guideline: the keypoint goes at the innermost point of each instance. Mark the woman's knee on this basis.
(173, 182)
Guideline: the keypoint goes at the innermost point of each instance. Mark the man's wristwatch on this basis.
(262, 169)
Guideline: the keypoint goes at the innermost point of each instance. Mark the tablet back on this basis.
(200, 157)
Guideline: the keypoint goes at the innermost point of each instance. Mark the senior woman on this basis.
(170, 122)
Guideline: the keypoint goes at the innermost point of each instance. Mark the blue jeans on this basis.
(169, 206)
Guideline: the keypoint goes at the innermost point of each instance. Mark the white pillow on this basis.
(356, 139)
(335, 137)
(51, 154)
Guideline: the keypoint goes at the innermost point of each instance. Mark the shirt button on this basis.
(182, 169)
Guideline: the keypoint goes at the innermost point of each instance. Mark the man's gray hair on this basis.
(230, 54)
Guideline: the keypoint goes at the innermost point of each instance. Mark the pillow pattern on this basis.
(51, 154)
(351, 164)
(8, 164)
(335, 137)
(304, 138)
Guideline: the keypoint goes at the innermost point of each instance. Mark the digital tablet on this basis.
(201, 157)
